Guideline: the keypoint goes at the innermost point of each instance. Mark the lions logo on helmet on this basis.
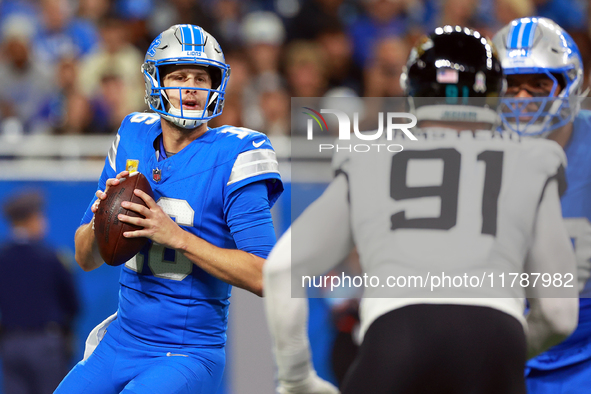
(540, 46)
(190, 45)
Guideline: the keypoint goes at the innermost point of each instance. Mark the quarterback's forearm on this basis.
(87, 254)
(235, 267)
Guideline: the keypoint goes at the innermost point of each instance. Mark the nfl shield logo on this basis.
(480, 82)
(156, 174)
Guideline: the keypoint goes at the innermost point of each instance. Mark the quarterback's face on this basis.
(187, 77)
(528, 86)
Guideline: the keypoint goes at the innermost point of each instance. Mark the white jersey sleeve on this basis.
(324, 229)
(550, 320)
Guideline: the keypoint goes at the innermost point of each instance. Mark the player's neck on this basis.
(176, 138)
(562, 134)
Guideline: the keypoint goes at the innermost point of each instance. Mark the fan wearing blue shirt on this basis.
(209, 227)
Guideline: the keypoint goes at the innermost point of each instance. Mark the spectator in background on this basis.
(382, 81)
(263, 34)
(569, 14)
(312, 17)
(116, 57)
(38, 302)
(11, 7)
(382, 72)
(61, 35)
(275, 106)
(227, 26)
(484, 15)
(66, 111)
(93, 10)
(508, 10)
(26, 83)
(109, 105)
(168, 12)
(583, 41)
(459, 13)
(241, 74)
(305, 68)
(137, 14)
(235, 98)
(423, 16)
(382, 18)
(342, 71)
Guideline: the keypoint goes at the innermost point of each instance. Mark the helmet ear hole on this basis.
(560, 79)
(216, 77)
(164, 71)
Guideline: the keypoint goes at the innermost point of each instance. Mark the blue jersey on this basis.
(165, 299)
(576, 210)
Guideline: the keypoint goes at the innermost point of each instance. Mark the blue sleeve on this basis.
(248, 215)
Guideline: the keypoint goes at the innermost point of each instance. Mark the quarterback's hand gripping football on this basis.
(157, 225)
(313, 384)
(102, 194)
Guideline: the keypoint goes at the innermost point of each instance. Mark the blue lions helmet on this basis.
(539, 46)
(185, 44)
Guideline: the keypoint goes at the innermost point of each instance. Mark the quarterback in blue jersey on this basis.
(209, 227)
(545, 77)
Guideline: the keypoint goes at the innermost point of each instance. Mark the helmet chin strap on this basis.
(188, 113)
(179, 117)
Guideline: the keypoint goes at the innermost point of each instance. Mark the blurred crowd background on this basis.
(73, 66)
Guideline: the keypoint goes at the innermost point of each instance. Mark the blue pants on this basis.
(121, 365)
(570, 379)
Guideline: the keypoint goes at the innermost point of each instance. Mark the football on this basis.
(114, 248)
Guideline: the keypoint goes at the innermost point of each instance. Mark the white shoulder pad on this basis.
(112, 155)
(253, 162)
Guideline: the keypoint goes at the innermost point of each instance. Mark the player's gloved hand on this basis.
(312, 384)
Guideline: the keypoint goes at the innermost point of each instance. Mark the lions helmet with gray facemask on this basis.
(539, 46)
(185, 45)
